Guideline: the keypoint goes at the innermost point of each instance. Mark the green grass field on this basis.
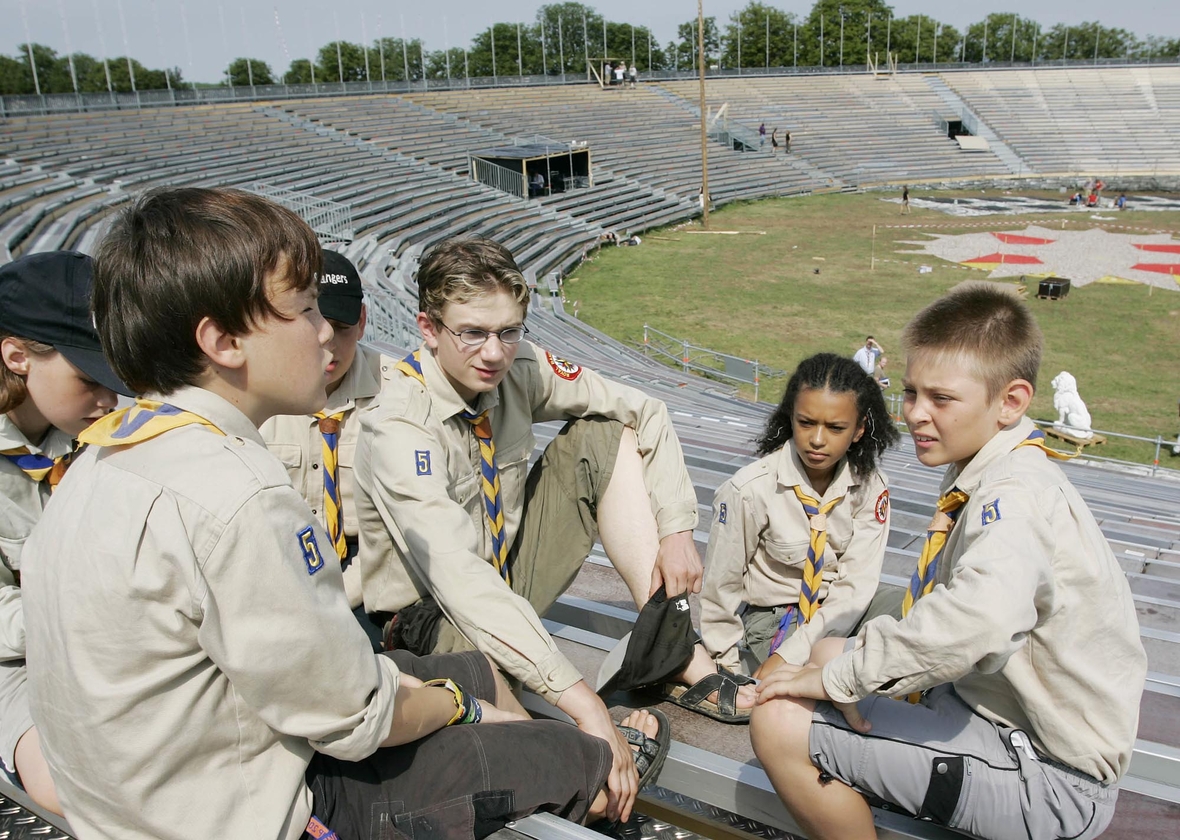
(759, 296)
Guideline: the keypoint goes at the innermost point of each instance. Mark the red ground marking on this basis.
(1159, 268)
(1164, 249)
(1016, 239)
(1005, 259)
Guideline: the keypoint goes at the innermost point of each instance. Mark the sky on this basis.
(203, 36)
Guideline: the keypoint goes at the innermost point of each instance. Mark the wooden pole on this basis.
(873, 251)
(704, 128)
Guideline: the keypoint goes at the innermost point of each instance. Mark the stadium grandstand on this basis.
(392, 168)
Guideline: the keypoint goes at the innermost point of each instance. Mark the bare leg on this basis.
(779, 732)
(630, 537)
(646, 723)
(505, 698)
(34, 772)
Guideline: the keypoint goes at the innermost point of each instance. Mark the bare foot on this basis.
(701, 666)
(645, 722)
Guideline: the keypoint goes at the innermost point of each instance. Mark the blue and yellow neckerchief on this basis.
(143, 421)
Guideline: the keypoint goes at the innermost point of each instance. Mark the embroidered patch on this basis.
(722, 512)
(422, 461)
(991, 512)
(566, 370)
(881, 508)
(311, 550)
(681, 603)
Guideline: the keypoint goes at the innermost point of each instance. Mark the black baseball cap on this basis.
(46, 297)
(341, 294)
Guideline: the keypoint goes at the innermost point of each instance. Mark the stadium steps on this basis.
(1013, 161)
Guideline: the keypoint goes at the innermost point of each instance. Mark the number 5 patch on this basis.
(422, 461)
(311, 550)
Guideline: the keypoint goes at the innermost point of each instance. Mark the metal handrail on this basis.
(705, 361)
(498, 177)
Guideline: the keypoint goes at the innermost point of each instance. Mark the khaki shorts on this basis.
(15, 719)
(559, 525)
(760, 626)
(939, 761)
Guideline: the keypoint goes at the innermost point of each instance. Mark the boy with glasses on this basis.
(461, 544)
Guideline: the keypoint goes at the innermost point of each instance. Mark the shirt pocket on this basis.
(346, 455)
(781, 553)
(290, 454)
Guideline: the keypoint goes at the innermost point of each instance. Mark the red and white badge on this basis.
(881, 508)
(566, 370)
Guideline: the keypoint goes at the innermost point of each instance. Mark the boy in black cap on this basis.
(318, 449)
(53, 383)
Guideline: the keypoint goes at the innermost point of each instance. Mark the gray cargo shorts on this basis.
(940, 761)
(15, 719)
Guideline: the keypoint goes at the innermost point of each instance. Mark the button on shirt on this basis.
(184, 659)
(421, 507)
(297, 442)
(1030, 618)
(758, 554)
(22, 501)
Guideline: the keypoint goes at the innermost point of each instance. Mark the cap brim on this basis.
(93, 364)
(343, 308)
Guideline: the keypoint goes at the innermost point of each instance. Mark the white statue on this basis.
(1072, 416)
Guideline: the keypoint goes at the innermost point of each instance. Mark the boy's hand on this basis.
(768, 667)
(807, 682)
(678, 566)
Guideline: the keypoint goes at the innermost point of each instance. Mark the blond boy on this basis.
(1018, 647)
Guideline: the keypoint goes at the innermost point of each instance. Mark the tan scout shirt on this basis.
(758, 551)
(421, 506)
(1030, 617)
(297, 442)
(186, 652)
(21, 502)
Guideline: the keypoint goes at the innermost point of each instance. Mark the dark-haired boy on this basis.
(1018, 633)
(319, 449)
(194, 668)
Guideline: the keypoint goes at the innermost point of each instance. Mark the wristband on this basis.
(467, 708)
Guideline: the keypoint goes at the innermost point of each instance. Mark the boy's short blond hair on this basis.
(983, 326)
(460, 270)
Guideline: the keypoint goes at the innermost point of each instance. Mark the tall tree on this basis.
(243, 72)
(683, 50)
(564, 25)
(861, 19)
(760, 27)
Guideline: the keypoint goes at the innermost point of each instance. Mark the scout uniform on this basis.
(228, 653)
(424, 515)
(44, 297)
(299, 442)
(22, 500)
(1026, 625)
(758, 554)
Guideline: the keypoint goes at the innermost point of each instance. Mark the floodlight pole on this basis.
(704, 128)
(519, 57)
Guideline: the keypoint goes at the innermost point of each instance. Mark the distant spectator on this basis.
(869, 357)
(620, 69)
(1077, 199)
(774, 141)
(1121, 201)
(1092, 200)
(905, 199)
(787, 142)
(761, 135)
(1099, 186)
(536, 184)
(634, 73)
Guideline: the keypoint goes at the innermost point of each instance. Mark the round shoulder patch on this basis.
(881, 508)
(566, 370)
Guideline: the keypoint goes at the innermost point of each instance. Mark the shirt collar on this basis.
(790, 473)
(445, 400)
(362, 380)
(55, 444)
(1003, 442)
(213, 408)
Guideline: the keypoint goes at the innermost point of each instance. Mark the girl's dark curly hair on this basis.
(827, 371)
